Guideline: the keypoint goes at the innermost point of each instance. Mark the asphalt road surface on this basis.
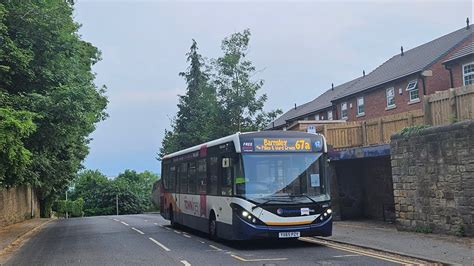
(149, 240)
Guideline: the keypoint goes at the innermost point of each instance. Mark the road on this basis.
(149, 240)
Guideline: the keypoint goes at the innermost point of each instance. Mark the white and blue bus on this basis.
(270, 184)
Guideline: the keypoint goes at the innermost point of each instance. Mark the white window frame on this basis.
(411, 89)
(344, 108)
(330, 115)
(359, 105)
(392, 97)
(464, 74)
(316, 117)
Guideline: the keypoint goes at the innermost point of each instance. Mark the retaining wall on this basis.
(18, 204)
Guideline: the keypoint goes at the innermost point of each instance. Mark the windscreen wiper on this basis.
(304, 195)
(268, 201)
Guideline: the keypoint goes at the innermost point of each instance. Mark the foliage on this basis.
(74, 208)
(424, 230)
(413, 130)
(15, 126)
(132, 189)
(45, 72)
(221, 98)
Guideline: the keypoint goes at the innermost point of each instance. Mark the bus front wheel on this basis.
(212, 227)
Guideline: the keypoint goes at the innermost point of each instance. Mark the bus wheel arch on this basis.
(171, 216)
(212, 225)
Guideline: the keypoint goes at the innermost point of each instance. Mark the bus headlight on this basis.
(328, 211)
(245, 215)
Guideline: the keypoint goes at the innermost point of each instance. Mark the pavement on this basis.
(148, 239)
(12, 236)
(385, 237)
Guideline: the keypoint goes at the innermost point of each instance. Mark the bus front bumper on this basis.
(244, 230)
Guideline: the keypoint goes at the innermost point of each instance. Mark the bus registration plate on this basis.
(288, 234)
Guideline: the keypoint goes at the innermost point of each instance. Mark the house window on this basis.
(468, 73)
(344, 110)
(316, 117)
(413, 91)
(360, 106)
(329, 115)
(390, 93)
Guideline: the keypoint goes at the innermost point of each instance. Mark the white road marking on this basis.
(155, 223)
(185, 263)
(145, 220)
(177, 232)
(116, 220)
(168, 228)
(349, 255)
(124, 223)
(254, 260)
(185, 235)
(159, 244)
(140, 232)
(216, 248)
(202, 241)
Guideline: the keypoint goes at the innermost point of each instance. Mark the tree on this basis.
(220, 99)
(239, 103)
(197, 108)
(99, 193)
(45, 70)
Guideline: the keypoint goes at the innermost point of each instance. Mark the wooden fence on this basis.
(369, 132)
(449, 106)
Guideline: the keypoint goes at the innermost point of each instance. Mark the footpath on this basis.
(385, 237)
(12, 236)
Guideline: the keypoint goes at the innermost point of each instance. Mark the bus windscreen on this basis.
(280, 174)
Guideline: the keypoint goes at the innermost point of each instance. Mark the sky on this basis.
(299, 48)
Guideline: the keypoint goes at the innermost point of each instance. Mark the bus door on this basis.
(225, 187)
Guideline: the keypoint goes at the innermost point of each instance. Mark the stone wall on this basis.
(433, 179)
(16, 205)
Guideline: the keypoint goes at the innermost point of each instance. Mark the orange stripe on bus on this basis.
(288, 223)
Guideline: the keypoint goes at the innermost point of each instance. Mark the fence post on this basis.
(380, 124)
(325, 131)
(364, 133)
(452, 105)
(410, 119)
(427, 110)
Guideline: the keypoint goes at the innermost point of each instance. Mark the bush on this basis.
(73, 208)
(409, 131)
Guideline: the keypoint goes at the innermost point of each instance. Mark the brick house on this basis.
(461, 66)
(396, 86)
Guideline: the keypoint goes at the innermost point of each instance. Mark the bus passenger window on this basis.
(192, 178)
(172, 179)
(201, 176)
(213, 174)
(183, 178)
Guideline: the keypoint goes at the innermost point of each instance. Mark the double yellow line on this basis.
(364, 252)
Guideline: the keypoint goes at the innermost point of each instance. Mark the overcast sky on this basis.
(301, 49)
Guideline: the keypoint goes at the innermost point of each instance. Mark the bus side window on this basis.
(172, 179)
(226, 181)
(165, 176)
(183, 178)
(201, 176)
(213, 176)
(192, 178)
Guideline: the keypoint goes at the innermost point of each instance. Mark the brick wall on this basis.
(16, 205)
(433, 179)
(456, 68)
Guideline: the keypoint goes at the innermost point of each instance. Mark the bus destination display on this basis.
(277, 144)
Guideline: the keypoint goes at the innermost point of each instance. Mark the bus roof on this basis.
(236, 139)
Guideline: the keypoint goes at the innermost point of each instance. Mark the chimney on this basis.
(401, 49)
(295, 106)
(363, 73)
(467, 23)
(332, 86)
